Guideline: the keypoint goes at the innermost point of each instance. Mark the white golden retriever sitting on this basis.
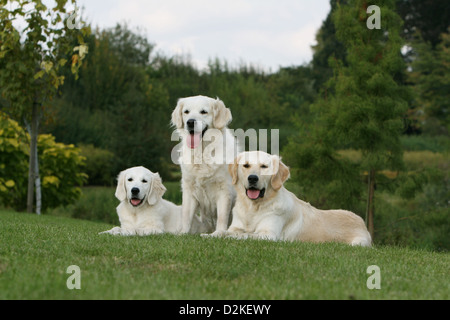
(207, 147)
(142, 210)
(266, 210)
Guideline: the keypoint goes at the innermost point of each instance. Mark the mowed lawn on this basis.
(35, 252)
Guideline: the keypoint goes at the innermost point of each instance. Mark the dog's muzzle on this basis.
(253, 192)
(195, 137)
(135, 200)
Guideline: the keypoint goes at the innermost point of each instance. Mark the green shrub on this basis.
(61, 171)
(173, 192)
(95, 204)
(14, 153)
(99, 165)
(412, 223)
(60, 168)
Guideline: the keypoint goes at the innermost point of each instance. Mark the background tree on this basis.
(362, 110)
(31, 58)
(430, 75)
(430, 18)
(116, 105)
(327, 46)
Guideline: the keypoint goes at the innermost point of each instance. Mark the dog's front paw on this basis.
(264, 236)
(113, 231)
(215, 234)
(148, 231)
(118, 231)
(238, 235)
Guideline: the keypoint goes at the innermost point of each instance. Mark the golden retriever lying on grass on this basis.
(266, 210)
(142, 210)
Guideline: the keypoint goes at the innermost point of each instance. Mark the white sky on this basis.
(265, 33)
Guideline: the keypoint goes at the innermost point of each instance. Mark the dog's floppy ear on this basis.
(177, 114)
(221, 114)
(281, 173)
(233, 169)
(121, 191)
(156, 190)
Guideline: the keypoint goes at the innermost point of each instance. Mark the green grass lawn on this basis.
(35, 252)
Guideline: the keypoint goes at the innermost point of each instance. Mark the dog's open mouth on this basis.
(255, 194)
(195, 138)
(136, 202)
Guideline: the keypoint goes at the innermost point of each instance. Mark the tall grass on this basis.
(426, 143)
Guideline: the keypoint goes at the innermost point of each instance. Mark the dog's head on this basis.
(258, 174)
(197, 114)
(138, 186)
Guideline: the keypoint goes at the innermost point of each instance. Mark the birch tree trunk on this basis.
(370, 203)
(33, 175)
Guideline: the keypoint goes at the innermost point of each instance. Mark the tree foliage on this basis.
(31, 60)
(114, 105)
(327, 46)
(61, 167)
(430, 75)
(430, 18)
(362, 109)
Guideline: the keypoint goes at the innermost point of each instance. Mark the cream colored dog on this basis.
(266, 210)
(207, 147)
(142, 210)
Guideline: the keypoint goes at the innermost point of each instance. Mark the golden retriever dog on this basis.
(207, 147)
(265, 209)
(142, 210)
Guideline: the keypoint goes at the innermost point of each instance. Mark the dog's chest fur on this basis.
(205, 184)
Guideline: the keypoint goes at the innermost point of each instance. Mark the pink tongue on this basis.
(135, 202)
(193, 140)
(253, 194)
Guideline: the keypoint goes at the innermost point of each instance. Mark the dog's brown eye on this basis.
(144, 181)
(186, 112)
(203, 112)
(246, 166)
(263, 166)
(130, 179)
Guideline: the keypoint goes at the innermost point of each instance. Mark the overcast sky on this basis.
(266, 33)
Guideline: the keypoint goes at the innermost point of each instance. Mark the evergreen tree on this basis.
(362, 108)
(429, 17)
(327, 46)
(431, 78)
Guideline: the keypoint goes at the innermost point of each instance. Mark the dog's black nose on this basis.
(135, 191)
(190, 123)
(253, 178)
